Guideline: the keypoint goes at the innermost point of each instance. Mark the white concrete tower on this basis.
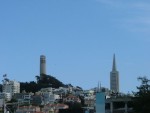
(114, 77)
(42, 65)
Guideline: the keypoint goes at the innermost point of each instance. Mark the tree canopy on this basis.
(46, 81)
(141, 101)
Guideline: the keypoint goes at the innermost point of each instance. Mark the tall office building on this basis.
(114, 77)
(42, 65)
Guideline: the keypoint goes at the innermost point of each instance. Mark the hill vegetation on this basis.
(46, 81)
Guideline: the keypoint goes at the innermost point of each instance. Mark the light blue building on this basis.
(100, 102)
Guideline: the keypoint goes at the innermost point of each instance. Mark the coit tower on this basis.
(42, 65)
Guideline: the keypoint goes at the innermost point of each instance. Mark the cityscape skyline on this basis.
(113, 71)
(78, 39)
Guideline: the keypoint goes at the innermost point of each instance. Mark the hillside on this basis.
(47, 81)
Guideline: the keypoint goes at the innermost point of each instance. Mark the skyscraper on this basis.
(114, 77)
(42, 65)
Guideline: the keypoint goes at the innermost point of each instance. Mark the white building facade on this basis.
(10, 87)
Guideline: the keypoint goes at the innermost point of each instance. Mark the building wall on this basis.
(11, 87)
(100, 102)
(114, 81)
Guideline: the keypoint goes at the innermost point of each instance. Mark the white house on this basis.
(50, 98)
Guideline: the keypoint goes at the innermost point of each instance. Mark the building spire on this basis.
(114, 64)
(99, 88)
(114, 77)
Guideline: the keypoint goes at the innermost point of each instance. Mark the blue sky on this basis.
(78, 38)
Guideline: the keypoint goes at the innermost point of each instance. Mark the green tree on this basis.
(74, 105)
(45, 81)
(49, 81)
(141, 101)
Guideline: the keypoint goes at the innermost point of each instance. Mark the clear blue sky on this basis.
(78, 38)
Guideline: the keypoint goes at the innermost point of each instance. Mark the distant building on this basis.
(37, 100)
(54, 108)
(10, 88)
(1, 103)
(114, 77)
(48, 89)
(72, 98)
(89, 102)
(42, 65)
(28, 109)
